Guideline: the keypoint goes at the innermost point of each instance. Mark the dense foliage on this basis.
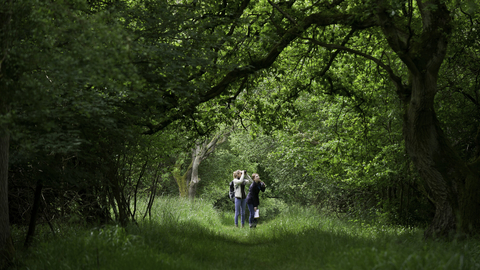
(364, 108)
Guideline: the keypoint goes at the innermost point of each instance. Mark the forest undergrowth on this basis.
(192, 235)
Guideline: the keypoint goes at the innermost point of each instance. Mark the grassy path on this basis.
(183, 235)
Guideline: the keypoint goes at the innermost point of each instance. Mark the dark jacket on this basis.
(252, 197)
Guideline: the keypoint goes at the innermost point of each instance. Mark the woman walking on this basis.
(252, 199)
(240, 179)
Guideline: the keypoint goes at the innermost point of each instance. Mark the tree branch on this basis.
(317, 19)
(397, 80)
(283, 12)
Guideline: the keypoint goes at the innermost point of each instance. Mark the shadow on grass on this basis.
(284, 243)
(192, 246)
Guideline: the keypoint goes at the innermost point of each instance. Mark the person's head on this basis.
(256, 177)
(237, 174)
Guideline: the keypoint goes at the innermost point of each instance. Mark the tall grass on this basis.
(192, 235)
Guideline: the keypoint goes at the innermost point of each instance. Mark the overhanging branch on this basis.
(396, 80)
(317, 19)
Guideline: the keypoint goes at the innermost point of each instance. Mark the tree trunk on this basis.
(436, 161)
(34, 215)
(182, 179)
(6, 245)
(454, 187)
(121, 204)
(117, 193)
(197, 157)
(7, 249)
(188, 182)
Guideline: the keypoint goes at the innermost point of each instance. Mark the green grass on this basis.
(186, 235)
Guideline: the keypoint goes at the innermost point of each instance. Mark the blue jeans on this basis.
(240, 209)
(251, 218)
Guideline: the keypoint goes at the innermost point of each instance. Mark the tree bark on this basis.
(121, 204)
(432, 154)
(6, 245)
(34, 214)
(453, 185)
(117, 193)
(7, 249)
(182, 180)
(197, 157)
(199, 153)
(188, 182)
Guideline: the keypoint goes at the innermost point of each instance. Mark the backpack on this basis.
(231, 193)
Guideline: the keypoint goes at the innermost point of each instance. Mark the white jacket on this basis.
(244, 179)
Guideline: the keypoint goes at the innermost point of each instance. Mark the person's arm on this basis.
(262, 186)
(248, 179)
(256, 199)
(239, 181)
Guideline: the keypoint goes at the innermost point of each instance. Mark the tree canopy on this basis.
(98, 98)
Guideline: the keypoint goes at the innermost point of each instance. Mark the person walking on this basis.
(240, 180)
(252, 199)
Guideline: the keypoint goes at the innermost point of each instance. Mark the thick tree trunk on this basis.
(454, 187)
(427, 146)
(6, 244)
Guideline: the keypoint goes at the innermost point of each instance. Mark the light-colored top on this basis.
(246, 180)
